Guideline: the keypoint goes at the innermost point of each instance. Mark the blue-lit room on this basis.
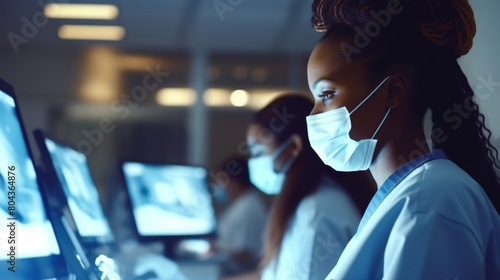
(247, 140)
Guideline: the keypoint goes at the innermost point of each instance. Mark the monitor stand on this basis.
(170, 248)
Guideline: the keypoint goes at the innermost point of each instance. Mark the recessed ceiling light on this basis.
(81, 11)
(239, 98)
(176, 97)
(217, 97)
(91, 32)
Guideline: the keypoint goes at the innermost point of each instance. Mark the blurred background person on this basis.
(242, 222)
(317, 210)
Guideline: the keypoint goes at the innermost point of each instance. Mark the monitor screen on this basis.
(27, 233)
(79, 189)
(169, 200)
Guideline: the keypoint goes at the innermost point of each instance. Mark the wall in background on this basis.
(482, 64)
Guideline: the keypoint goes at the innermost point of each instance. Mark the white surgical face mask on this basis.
(329, 137)
(262, 173)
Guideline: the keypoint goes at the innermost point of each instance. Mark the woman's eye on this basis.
(327, 96)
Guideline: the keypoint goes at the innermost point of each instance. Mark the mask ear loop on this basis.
(278, 152)
(381, 123)
(287, 165)
(366, 98)
(369, 95)
(281, 148)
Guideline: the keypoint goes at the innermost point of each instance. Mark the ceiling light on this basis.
(81, 11)
(262, 97)
(239, 98)
(176, 97)
(91, 32)
(217, 97)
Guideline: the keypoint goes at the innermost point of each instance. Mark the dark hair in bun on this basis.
(428, 36)
(448, 23)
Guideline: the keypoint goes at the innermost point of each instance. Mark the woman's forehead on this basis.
(253, 132)
(328, 51)
(260, 139)
(327, 61)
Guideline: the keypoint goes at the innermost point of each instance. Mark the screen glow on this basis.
(169, 199)
(33, 231)
(78, 186)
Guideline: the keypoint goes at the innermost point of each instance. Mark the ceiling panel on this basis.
(250, 26)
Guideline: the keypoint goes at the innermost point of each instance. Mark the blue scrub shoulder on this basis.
(441, 187)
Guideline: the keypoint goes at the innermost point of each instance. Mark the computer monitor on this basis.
(169, 201)
(76, 187)
(28, 243)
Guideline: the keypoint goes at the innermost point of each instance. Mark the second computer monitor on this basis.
(169, 200)
(72, 171)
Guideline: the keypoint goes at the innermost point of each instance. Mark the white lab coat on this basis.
(242, 224)
(323, 224)
(429, 220)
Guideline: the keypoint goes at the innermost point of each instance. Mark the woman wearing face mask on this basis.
(316, 210)
(435, 214)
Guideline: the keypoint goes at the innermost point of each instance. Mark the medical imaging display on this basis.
(34, 235)
(169, 200)
(79, 188)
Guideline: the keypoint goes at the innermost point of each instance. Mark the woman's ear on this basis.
(297, 145)
(397, 87)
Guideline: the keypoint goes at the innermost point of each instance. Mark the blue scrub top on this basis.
(429, 220)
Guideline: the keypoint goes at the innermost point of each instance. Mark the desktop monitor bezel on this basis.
(88, 242)
(59, 264)
(165, 238)
(72, 250)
